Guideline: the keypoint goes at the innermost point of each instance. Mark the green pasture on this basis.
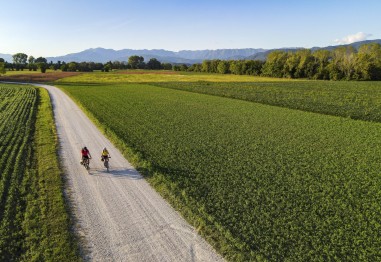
(259, 182)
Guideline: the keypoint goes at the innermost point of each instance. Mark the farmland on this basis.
(259, 182)
(34, 223)
(355, 100)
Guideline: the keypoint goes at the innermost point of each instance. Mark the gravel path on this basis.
(120, 217)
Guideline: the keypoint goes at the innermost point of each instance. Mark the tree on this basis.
(41, 60)
(307, 65)
(166, 66)
(237, 67)
(291, 65)
(107, 68)
(183, 67)
(154, 64)
(176, 68)
(322, 59)
(2, 66)
(368, 62)
(83, 67)
(64, 67)
(19, 60)
(274, 66)
(206, 66)
(31, 64)
(195, 68)
(214, 65)
(136, 62)
(72, 67)
(254, 67)
(41, 63)
(42, 66)
(223, 67)
(342, 63)
(31, 59)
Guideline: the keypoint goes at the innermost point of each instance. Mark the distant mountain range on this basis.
(103, 55)
(186, 56)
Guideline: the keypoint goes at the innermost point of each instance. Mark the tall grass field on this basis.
(260, 182)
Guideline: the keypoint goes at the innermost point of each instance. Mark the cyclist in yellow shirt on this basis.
(105, 154)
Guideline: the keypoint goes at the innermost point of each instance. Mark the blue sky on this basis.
(58, 27)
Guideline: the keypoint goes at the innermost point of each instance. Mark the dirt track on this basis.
(120, 217)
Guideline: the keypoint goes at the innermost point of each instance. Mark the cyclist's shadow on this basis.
(120, 173)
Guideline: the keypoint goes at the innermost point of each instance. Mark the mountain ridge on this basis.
(103, 55)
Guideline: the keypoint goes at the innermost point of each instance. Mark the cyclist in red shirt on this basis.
(85, 153)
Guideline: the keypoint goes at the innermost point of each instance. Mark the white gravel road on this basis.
(119, 216)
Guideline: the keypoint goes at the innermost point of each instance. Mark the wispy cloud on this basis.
(360, 36)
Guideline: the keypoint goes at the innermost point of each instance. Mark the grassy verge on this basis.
(47, 225)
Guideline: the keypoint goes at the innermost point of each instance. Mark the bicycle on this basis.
(106, 162)
(86, 163)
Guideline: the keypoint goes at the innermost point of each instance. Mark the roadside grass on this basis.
(48, 208)
(258, 182)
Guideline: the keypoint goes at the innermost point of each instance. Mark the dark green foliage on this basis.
(2, 67)
(259, 182)
(154, 64)
(19, 61)
(136, 62)
(343, 63)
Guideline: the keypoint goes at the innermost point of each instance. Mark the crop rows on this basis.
(356, 100)
(260, 182)
(18, 108)
(34, 224)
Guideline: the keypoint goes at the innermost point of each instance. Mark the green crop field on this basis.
(34, 223)
(259, 182)
(148, 76)
(356, 100)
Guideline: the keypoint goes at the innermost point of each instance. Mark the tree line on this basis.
(342, 63)
(22, 62)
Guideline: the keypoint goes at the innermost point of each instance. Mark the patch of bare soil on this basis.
(38, 77)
